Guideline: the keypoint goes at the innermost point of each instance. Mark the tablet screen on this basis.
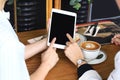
(61, 24)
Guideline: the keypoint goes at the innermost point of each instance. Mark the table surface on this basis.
(66, 70)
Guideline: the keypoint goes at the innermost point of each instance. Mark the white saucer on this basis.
(97, 61)
(82, 38)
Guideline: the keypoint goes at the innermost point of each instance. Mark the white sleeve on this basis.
(114, 75)
(90, 75)
(12, 62)
(86, 72)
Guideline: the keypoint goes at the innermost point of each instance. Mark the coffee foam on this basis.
(90, 45)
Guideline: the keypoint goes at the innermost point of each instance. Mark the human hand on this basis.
(116, 39)
(49, 58)
(73, 51)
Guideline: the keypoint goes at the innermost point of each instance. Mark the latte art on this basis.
(90, 45)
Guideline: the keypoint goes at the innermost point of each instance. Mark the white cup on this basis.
(91, 49)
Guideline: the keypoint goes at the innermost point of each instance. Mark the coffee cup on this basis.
(91, 49)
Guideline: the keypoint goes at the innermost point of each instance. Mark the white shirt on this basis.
(114, 75)
(12, 62)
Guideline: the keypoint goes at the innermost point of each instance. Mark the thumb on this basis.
(52, 43)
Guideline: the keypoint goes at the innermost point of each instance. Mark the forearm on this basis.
(40, 73)
(83, 68)
(32, 49)
(86, 72)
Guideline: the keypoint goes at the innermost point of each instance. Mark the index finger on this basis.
(70, 38)
(52, 42)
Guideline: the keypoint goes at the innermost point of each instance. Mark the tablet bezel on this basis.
(58, 11)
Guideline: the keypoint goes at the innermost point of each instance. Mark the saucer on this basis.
(82, 38)
(97, 61)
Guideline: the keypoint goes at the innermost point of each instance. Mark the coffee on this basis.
(90, 45)
(90, 49)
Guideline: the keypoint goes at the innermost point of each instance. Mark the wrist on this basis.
(45, 67)
(41, 72)
(81, 62)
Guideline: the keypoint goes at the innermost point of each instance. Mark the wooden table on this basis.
(65, 70)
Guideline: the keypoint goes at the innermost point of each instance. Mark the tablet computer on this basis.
(61, 22)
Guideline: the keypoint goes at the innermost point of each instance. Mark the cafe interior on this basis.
(106, 13)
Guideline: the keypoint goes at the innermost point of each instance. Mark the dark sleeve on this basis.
(83, 68)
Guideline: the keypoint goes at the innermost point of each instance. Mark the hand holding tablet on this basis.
(62, 22)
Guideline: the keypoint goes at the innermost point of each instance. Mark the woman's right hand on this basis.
(73, 51)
